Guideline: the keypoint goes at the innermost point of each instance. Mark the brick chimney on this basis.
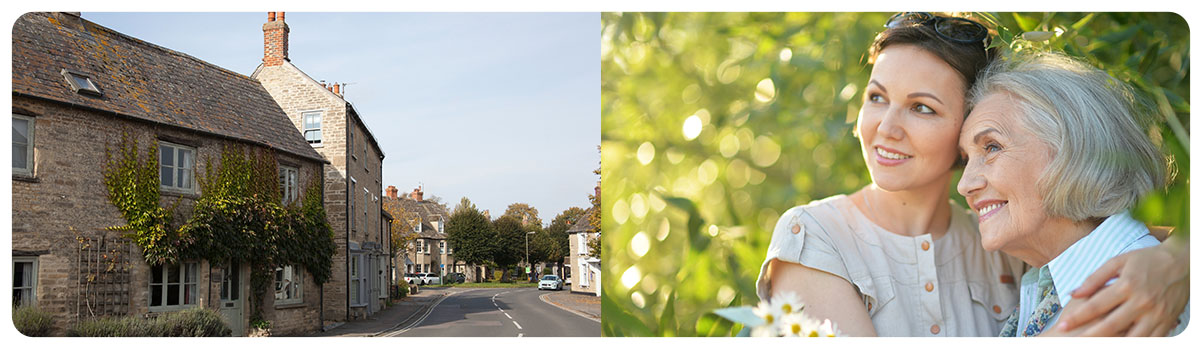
(275, 40)
(392, 192)
(417, 194)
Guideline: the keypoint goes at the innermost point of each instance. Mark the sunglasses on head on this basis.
(956, 29)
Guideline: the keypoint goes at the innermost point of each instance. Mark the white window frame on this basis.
(420, 246)
(357, 281)
(305, 127)
(293, 292)
(28, 169)
(582, 243)
(31, 288)
(175, 167)
(289, 183)
(183, 284)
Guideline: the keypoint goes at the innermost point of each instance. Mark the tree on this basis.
(402, 225)
(470, 235)
(594, 216)
(509, 243)
(554, 239)
(526, 214)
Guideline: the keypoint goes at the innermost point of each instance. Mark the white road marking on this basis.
(422, 319)
(506, 314)
(519, 335)
(518, 325)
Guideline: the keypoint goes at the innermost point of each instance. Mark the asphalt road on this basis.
(499, 312)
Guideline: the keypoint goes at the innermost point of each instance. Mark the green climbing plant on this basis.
(238, 216)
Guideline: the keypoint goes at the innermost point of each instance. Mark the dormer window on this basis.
(81, 83)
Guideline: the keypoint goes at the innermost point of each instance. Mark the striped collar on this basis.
(1114, 236)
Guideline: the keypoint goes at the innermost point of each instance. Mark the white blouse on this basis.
(911, 286)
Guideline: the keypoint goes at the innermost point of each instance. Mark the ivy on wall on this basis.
(238, 217)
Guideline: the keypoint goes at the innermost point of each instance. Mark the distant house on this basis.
(77, 86)
(585, 269)
(429, 252)
(353, 175)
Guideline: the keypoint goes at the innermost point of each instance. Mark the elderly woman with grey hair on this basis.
(1057, 153)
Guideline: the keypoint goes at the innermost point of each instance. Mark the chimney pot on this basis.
(337, 89)
(275, 40)
(392, 192)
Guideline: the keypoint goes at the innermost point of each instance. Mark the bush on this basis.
(400, 290)
(32, 322)
(194, 322)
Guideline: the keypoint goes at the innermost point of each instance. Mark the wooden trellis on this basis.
(104, 283)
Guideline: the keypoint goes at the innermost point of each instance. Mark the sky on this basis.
(497, 107)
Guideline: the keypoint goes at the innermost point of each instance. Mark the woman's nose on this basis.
(972, 180)
(890, 126)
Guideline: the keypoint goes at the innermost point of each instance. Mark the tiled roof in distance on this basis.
(146, 81)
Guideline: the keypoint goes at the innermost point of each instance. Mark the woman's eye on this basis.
(923, 109)
(991, 147)
(874, 97)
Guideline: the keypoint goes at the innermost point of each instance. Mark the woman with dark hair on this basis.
(898, 257)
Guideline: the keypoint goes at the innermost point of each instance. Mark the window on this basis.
(357, 281)
(81, 83)
(172, 286)
(441, 225)
(231, 283)
(353, 184)
(289, 284)
(312, 126)
(442, 246)
(420, 246)
(176, 163)
(24, 281)
(350, 144)
(22, 145)
(366, 204)
(417, 225)
(287, 184)
(582, 243)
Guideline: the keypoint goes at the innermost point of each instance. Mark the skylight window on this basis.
(81, 83)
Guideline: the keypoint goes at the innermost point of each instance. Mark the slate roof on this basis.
(147, 82)
(581, 222)
(425, 210)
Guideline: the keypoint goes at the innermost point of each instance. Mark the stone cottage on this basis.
(353, 175)
(429, 252)
(77, 88)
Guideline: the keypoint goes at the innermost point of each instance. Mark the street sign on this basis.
(527, 269)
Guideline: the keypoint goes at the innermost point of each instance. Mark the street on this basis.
(495, 312)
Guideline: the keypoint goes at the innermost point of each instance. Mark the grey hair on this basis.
(1103, 158)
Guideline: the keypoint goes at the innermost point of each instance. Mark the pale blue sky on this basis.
(497, 107)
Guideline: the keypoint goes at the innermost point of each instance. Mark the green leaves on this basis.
(238, 217)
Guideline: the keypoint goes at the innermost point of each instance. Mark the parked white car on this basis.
(430, 278)
(550, 282)
(412, 278)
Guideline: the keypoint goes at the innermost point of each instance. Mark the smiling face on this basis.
(1004, 162)
(909, 123)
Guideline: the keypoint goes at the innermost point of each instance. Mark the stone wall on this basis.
(66, 199)
(297, 93)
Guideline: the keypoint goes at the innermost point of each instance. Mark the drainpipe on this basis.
(349, 198)
(321, 287)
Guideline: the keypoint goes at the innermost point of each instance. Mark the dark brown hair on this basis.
(966, 59)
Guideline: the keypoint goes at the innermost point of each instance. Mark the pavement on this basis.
(586, 305)
(414, 308)
(401, 313)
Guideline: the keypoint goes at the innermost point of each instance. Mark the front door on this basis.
(231, 298)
